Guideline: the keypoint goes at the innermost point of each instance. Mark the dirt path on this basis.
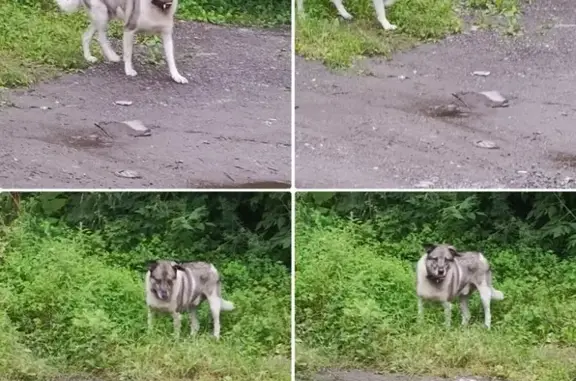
(228, 127)
(376, 131)
(358, 375)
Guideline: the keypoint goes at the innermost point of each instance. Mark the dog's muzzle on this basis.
(164, 5)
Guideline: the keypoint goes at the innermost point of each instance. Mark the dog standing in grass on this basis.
(379, 6)
(155, 16)
(178, 288)
(444, 274)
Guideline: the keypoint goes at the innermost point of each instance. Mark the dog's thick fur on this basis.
(444, 274)
(178, 288)
(379, 6)
(155, 16)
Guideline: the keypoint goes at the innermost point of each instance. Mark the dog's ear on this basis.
(454, 252)
(152, 264)
(429, 247)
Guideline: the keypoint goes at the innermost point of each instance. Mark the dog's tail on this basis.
(69, 6)
(225, 305)
(496, 295)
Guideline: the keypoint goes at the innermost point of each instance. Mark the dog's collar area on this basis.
(162, 4)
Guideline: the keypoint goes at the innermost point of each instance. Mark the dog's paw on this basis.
(113, 58)
(131, 72)
(388, 26)
(179, 79)
(91, 59)
(346, 16)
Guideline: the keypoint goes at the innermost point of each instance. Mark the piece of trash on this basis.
(134, 128)
(522, 172)
(473, 99)
(402, 77)
(45, 108)
(488, 144)
(481, 73)
(127, 173)
(123, 103)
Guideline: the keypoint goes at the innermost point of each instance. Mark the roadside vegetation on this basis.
(72, 301)
(37, 41)
(355, 284)
(323, 35)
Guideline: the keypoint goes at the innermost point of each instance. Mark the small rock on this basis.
(488, 144)
(402, 77)
(138, 127)
(473, 99)
(522, 172)
(45, 108)
(127, 173)
(481, 73)
(123, 103)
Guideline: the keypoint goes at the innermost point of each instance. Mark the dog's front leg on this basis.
(168, 43)
(150, 319)
(464, 309)
(420, 309)
(127, 45)
(194, 324)
(177, 323)
(447, 313)
(381, 13)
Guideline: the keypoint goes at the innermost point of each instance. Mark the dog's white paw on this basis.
(113, 58)
(179, 79)
(91, 59)
(346, 16)
(388, 26)
(130, 72)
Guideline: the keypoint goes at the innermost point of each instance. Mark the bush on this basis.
(356, 302)
(71, 306)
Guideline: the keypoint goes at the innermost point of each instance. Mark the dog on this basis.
(156, 16)
(178, 288)
(444, 274)
(379, 6)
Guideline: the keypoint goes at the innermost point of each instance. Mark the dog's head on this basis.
(163, 276)
(439, 260)
(163, 4)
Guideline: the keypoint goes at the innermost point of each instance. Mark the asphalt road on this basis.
(376, 131)
(228, 127)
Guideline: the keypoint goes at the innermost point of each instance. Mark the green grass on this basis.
(356, 307)
(322, 35)
(38, 41)
(69, 307)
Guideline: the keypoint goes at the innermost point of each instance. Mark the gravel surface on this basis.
(228, 127)
(377, 131)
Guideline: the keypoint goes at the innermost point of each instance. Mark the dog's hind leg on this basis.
(381, 13)
(194, 324)
(447, 313)
(464, 309)
(127, 44)
(341, 10)
(485, 296)
(86, 38)
(168, 44)
(215, 307)
(100, 18)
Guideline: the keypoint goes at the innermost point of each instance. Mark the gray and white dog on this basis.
(178, 288)
(379, 6)
(156, 16)
(444, 274)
